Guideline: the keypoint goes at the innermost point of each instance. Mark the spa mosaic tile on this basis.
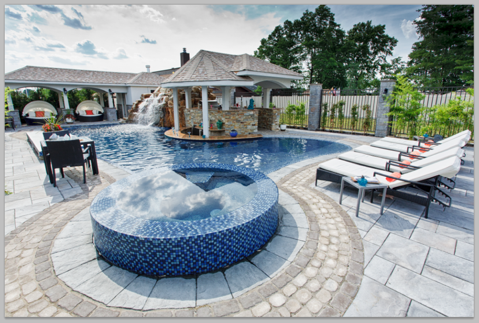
(176, 248)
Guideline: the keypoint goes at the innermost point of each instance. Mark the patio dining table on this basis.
(84, 142)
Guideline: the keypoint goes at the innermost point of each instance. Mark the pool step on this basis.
(199, 177)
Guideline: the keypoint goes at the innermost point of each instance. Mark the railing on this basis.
(356, 114)
(436, 96)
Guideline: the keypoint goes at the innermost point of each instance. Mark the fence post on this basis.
(314, 118)
(382, 119)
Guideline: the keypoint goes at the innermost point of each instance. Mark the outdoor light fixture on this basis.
(109, 90)
(385, 91)
(65, 91)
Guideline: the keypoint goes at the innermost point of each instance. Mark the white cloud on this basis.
(408, 28)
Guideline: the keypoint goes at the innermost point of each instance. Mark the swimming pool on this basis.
(137, 148)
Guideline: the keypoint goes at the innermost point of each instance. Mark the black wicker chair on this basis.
(64, 153)
(47, 135)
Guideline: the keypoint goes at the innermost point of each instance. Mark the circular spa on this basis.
(185, 219)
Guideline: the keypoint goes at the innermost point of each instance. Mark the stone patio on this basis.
(412, 266)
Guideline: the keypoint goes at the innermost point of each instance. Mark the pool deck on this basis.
(327, 261)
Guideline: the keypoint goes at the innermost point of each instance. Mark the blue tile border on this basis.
(157, 248)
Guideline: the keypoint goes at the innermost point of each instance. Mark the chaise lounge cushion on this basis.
(39, 114)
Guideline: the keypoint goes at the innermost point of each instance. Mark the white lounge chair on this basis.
(457, 142)
(402, 167)
(426, 179)
(395, 155)
(465, 135)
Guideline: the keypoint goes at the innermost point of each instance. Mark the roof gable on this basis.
(212, 66)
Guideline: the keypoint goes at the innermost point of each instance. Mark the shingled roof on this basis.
(50, 74)
(212, 66)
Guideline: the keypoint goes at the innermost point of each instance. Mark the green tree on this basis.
(354, 116)
(368, 120)
(322, 41)
(324, 117)
(281, 47)
(368, 47)
(404, 105)
(317, 47)
(444, 56)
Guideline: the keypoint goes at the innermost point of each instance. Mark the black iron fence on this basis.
(350, 110)
(355, 111)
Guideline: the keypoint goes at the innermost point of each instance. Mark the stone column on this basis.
(176, 114)
(102, 102)
(206, 117)
(382, 119)
(110, 100)
(314, 118)
(65, 101)
(265, 99)
(10, 102)
(226, 96)
(60, 100)
(188, 98)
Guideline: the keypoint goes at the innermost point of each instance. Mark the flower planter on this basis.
(282, 127)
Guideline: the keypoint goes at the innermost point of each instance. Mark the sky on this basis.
(125, 38)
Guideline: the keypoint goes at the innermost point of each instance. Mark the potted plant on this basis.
(69, 118)
(282, 127)
(52, 124)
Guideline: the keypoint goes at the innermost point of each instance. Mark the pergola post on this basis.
(60, 100)
(206, 117)
(10, 102)
(110, 100)
(188, 97)
(102, 102)
(265, 101)
(225, 97)
(65, 100)
(176, 114)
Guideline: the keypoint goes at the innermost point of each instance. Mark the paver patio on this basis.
(412, 266)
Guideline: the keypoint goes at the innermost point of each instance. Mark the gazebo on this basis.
(225, 71)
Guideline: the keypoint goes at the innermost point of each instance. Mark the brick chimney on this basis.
(185, 57)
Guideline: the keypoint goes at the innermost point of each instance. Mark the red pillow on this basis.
(39, 114)
(404, 163)
(395, 174)
(89, 112)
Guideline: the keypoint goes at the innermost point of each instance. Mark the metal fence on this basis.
(338, 117)
(435, 96)
(349, 110)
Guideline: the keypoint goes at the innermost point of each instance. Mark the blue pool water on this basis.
(139, 148)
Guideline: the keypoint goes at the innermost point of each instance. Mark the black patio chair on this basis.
(64, 153)
(47, 135)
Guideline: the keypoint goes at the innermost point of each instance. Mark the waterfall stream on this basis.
(151, 110)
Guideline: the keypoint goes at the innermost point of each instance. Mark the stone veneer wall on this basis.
(243, 121)
(268, 119)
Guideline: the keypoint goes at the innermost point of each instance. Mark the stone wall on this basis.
(268, 119)
(243, 121)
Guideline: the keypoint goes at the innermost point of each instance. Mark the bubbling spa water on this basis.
(184, 219)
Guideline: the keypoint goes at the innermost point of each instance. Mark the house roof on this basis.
(212, 66)
(50, 74)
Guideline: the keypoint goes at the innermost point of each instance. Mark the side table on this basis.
(361, 191)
